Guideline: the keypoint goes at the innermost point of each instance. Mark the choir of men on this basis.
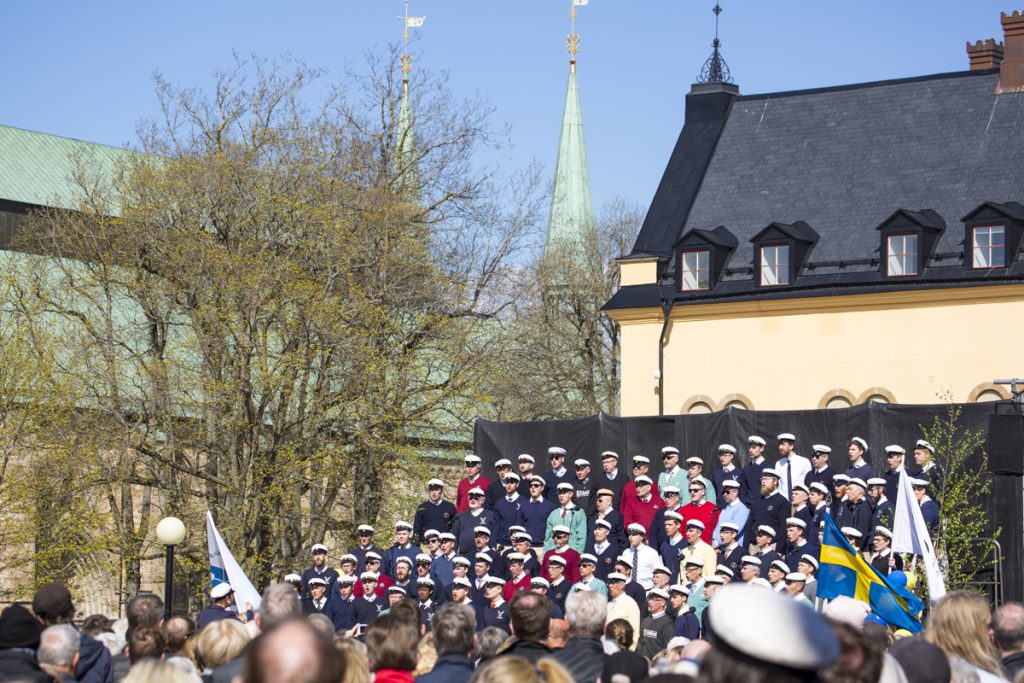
(659, 560)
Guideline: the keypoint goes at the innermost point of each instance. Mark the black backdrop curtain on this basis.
(1002, 424)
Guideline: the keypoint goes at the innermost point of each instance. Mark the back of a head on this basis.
(280, 603)
(145, 643)
(156, 671)
(958, 624)
(488, 642)
(586, 612)
(454, 626)
(18, 628)
(293, 652)
(406, 610)
(94, 624)
(515, 669)
(176, 633)
(921, 661)
(353, 652)
(144, 610)
(529, 615)
(391, 643)
(1008, 627)
(58, 645)
(620, 631)
(221, 641)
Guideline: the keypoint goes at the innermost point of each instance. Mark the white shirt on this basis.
(800, 467)
(647, 559)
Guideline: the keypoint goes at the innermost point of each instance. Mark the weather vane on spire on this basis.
(572, 41)
(409, 22)
(715, 70)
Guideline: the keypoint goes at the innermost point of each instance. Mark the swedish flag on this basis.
(843, 571)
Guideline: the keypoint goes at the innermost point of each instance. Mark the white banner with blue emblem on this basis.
(224, 568)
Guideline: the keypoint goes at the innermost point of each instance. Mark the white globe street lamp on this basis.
(170, 532)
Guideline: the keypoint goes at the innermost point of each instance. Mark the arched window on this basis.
(838, 402)
(700, 408)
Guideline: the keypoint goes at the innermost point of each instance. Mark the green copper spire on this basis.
(406, 168)
(571, 221)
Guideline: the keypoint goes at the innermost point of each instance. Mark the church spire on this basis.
(406, 168)
(571, 220)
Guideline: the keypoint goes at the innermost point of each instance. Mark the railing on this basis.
(993, 586)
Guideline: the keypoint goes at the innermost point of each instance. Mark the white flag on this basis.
(910, 535)
(581, 2)
(224, 568)
(415, 22)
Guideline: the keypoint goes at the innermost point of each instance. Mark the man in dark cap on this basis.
(52, 605)
(19, 637)
(921, 661)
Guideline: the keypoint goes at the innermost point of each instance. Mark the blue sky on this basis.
(83, 69)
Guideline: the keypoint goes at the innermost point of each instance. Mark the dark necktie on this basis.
(789, 477)
(636, 568)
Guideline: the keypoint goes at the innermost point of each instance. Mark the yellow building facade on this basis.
(830, 247)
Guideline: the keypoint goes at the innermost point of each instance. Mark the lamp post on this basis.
(171, 532)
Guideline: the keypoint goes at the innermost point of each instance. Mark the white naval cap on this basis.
(800, 487)
(796, 576)
(919, 483)
(860, 442)
(317, 581)
(461, 581)
(581, 462)
(556, 450)
(511, 476)
(786, 436)
(560, 529)
(821, 448)
(636, 528)
(481, 530)
(318, 548)
(616, 576)
(402, 559)
(696, 524)
(605, 524)
(516, 557)
(841, 479)
(435, 483)
(503, 462)
(447, 536)
(540, 581)
(725, 571)
(396, 589)
(642, 480)
(472, 460)
(587, 558)
(484, 557)
(373, 555)
(609, 454)
(693, 562)
(346, 579)
(366, 528)
(820, 488)
(759, 582)
(557, 559)
(669, 450)
(494, 581)
(464, 561)
(423, 557)
(565, 486)
(679, 588)
(694, 460)
(730, 484)
(756, 439)
(780, 565)
(730, 526)
(292, 578)
(220, 590)
(809, 559)
(403, 525)
(526, 457)
(857, 481)
(751, 560)
(772, 628)
(714, 580)
(672, 514)
(876, 481)
(662, 569)
(921, 443)
(770, 472)
(425, 581)
(851, 531)
(642, 459)
(882, 531)
(765, 529)
(727, 448)
(796, 521)
(895, 449)
(657, 593)
(475, 491)
(368, 576)
(671, 488)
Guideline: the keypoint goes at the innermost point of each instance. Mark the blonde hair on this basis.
(426, 655)
(220, 642)
(357, 667)
(959, 626)
(515, 669)
(155, 671)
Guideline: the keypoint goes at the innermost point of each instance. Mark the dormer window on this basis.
(780, 251)
(775, 265)
(701, 256)
(992, 235)
(908, 241)
(902, 255)
(988, 246)
(696, 269)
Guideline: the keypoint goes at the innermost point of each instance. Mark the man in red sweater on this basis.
(560, 536)
(698, 508)
(641, 508)
(518, 579)
(641, 468)
(471, 480)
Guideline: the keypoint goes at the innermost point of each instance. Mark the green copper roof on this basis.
(406, 168)
(571, 221)
(36, 168)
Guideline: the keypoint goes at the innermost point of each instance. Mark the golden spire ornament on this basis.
(407, 23)
(572, 41)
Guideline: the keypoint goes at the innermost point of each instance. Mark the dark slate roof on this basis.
(843, 160)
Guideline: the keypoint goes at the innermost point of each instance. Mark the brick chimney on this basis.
(1011, 70)
(985, 54)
